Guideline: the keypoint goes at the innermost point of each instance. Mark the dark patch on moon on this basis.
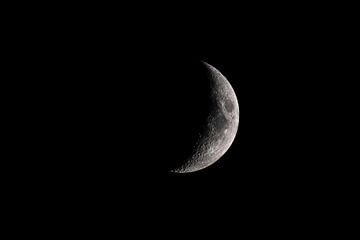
(229, 106)
(220, 122)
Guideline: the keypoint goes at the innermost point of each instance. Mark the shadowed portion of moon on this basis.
(140, 118)
(180, 118)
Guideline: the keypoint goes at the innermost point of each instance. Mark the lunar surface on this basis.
(221, 125)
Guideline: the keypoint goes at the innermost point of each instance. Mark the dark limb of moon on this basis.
(220, 127)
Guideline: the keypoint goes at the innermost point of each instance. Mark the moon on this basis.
(220, 128)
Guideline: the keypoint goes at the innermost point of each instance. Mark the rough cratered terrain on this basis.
(220, 128)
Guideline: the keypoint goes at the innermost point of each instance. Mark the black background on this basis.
(97, 120)
(113, 106)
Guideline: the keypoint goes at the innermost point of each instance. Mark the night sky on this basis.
(111, 102)
(115, 106)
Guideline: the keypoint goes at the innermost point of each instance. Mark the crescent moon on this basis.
(221, 125)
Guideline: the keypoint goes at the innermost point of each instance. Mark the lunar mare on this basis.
(221, 125)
